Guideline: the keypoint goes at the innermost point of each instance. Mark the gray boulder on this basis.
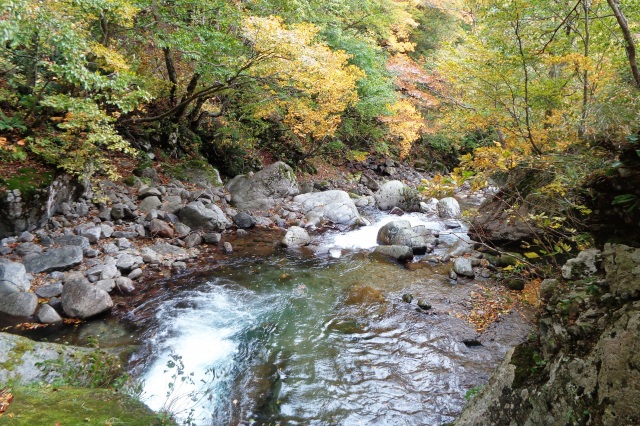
(582, 265)
(419, 238)
(296, 237)
(448, 208)
(72, 240)
(167, 250)
(125, 285)
(18, 304)
(208, 218)
(47, 315)
(464, 266)
(262, 190)
(335, 206)
(160, 228)
(80, 299)
(149, 191)
(93, 233)
(25, 249)
(48, 291)
(244, 220)
(397, 194)
(58, 259)
(150, 203)
(400, 253)
(13, 277)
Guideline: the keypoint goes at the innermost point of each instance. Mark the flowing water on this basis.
(295, 339)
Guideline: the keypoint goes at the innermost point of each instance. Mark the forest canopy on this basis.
(480, 84)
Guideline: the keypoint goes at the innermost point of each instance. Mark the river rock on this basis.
(18, 304)
(13, 277)
(400, 253)
(150, 204)
(397, 194)
(582, 265)
(92, 233)
(448, 208)
(125, 284)
(80, 299)
(464, 266)
(25, 249)
(26, 237)
(149, 191)
(72, 240)
(262, 190)
(430, 206)
(107, 285)
(244, 220)
(212, 238)
(160, 228)
(208, 218)
(58, 259)
(193, 240)
(121, 211)
(167, 250)
(401, 233)
(50, 290)
(127, 262)
(296, 237)
(47, 315)
(335, 206)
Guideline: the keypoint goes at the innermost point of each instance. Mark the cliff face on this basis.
(584, 368)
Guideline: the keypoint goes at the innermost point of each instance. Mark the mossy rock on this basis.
(196, 171)
(48, 405)
(28, 181)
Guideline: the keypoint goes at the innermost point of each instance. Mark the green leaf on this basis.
(531, 255)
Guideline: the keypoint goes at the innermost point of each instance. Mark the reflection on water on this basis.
(315, 342)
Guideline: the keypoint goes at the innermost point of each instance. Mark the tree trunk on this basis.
(630, 46)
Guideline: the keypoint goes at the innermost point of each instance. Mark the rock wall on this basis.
(584, 366)
(20, 213)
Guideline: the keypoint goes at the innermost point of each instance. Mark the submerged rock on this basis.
(400, 253)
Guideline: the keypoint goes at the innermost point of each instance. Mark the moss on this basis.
(14, 359)
(47, 405)
(528, 363)
(194, 170)
(28, 180)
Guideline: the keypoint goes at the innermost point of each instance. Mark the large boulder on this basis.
(208, 218)
(397, 194)
(13, 277)
(464, 266)
(400, 232)
(57, 259)
(80, 299)
(296, 237)
(448, 208)
(18, 304)
(262, 190)
(335, 206)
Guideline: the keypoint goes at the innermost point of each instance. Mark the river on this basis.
(316, 337)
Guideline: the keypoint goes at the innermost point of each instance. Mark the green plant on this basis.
(183, 396)
(472, 392)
